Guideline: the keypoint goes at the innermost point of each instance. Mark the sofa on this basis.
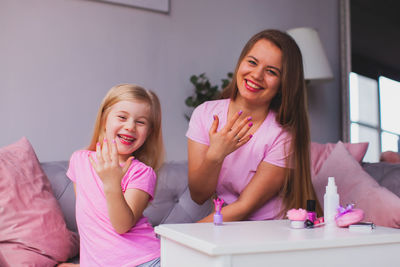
(172, 202)
(372, 187)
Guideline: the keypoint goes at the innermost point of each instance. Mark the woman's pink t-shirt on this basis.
(267, 144)
(100, 244)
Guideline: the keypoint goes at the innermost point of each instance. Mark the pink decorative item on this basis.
(347, 216)
(297, 217)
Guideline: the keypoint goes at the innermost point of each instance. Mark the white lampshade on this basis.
(315, 62)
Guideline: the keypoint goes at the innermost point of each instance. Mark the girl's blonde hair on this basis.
(152, 151)
(290, 105)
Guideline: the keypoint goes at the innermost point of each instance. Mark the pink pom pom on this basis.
(297, 215)
(354, 216)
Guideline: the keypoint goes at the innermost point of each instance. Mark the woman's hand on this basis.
(265, 184)
(107, 166)
(205, 162)
(229, 138)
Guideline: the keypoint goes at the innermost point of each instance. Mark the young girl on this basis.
(114, 180)
(252, 147)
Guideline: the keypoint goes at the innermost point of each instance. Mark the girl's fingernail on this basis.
(250, 124)
(249, 118)
(98, 144)
(250, 136)
(240, 112)
(215, 117)
(113, 141)
(105, 140)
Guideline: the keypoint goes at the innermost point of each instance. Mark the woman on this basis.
(252, 147)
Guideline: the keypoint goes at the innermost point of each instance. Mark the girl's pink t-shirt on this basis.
(270, 143)
(100, 244)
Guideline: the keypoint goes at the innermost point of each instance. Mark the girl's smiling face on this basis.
(259, 73)
(128, 122)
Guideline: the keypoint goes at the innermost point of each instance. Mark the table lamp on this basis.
(315, 62)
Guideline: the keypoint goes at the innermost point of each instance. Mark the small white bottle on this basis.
(331, 202)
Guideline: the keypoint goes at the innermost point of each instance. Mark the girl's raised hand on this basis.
(229, 138)
(107, 166)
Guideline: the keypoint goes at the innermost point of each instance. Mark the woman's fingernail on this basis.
(98, 144)
(215, 117)
(105, 140)
(113, 141)
(250, 124)
(240, 112)
(249, 118)
(250, 136)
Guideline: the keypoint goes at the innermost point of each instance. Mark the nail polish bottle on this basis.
(311, 214)
(218, 215)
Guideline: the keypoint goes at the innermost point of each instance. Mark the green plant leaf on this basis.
(204, 90)
(193, 79)
(189, 102)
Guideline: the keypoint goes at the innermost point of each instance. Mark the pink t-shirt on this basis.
(100, 244)
(267, 144)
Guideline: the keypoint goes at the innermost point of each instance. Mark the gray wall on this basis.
(59, 57)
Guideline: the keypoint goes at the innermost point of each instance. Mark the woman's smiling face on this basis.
(259, 73)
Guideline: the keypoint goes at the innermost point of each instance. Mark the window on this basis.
(374, 114)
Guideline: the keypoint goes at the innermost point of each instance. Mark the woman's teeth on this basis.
(252, 85)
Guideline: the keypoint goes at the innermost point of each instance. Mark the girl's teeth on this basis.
(126, 138)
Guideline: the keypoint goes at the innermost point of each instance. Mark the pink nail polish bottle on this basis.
(311, 214)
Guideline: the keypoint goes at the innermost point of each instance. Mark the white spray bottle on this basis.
(331, 202)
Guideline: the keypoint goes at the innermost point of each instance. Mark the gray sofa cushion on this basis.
(172, 202)
(63, 190)
(386, 174)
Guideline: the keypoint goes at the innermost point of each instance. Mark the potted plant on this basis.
(204, 91)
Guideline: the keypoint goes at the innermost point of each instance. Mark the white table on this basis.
(274, 243)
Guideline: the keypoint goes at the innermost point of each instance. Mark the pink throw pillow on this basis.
(320, 152)
(32, 228)
(380, 206)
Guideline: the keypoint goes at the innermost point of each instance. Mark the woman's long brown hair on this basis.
(290, 105)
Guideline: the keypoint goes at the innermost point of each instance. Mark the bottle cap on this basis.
(331, 181)
(331, 186)
(311, 205)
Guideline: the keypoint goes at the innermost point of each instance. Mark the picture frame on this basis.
(161, 6)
